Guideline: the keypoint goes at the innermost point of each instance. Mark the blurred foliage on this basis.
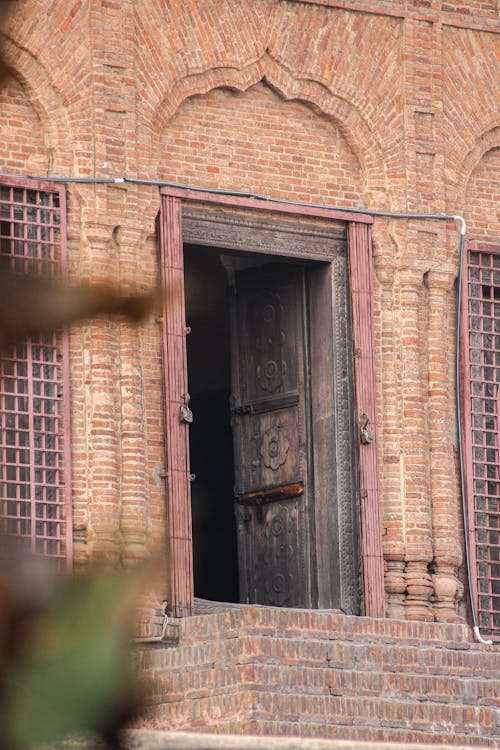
(30, 305)
(66, 660)
(64, 642)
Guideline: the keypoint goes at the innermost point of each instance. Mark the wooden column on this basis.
(179, 535)
(361, 279)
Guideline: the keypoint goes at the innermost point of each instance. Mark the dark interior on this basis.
(210, 440)
(207, 274)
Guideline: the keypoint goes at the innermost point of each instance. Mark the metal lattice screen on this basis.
(34, 496)
(481, 406)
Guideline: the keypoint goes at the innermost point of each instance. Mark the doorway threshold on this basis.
(207, 607)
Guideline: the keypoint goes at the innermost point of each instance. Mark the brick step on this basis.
(271, 622)
(188, 655)
(384, 656)
(326, 730)
(329, 625)
(340, 718)
(173, 685)
(324, 675)
(326, 625)
(470, 691)
(393, 713)
(201, 713)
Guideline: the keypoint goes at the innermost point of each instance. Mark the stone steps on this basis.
(317, 674)
(433, 688)
(392, 657)
(370, 712)
(361, 734)
(250, 737)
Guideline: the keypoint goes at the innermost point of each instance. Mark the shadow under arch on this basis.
(489, 140)
(34, 79)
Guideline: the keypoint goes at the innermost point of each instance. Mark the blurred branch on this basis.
(30, 305)
(64, 654)
(64, 642)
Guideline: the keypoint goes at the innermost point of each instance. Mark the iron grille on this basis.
(34, 475)
(481, 397)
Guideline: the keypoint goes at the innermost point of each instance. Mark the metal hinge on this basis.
(263, 405)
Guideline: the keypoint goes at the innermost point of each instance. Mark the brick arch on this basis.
(478, 188)
(353, 126)
(256, 142)
(341, 113)
(34, 80)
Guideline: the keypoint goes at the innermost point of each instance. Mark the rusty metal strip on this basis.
(265, 405)
(271, 494)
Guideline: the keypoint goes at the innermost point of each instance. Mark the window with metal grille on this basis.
(481, 410)
(35, 499)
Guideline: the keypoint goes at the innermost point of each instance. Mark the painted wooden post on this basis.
(179, 536)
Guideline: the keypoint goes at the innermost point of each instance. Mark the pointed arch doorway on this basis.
(283, 426)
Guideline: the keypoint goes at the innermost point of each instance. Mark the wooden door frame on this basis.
(180, 573)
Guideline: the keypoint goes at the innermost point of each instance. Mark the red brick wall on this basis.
(472, 7)
(471, 107)
(391, 103)
(255, 142)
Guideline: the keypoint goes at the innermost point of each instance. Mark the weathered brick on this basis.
(391, 105)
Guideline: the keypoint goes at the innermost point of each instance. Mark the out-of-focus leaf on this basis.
(30, 305)
(6, 7)
(26, 585)
(75, 673)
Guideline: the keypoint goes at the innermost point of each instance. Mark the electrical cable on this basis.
(235, 193)
(156, 638)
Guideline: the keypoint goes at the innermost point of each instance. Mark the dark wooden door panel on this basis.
(270, 444)
(273, 548)
(270, 437)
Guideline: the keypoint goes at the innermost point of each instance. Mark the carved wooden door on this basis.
(272, 496)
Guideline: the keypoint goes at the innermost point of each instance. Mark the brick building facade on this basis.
(251, 145)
